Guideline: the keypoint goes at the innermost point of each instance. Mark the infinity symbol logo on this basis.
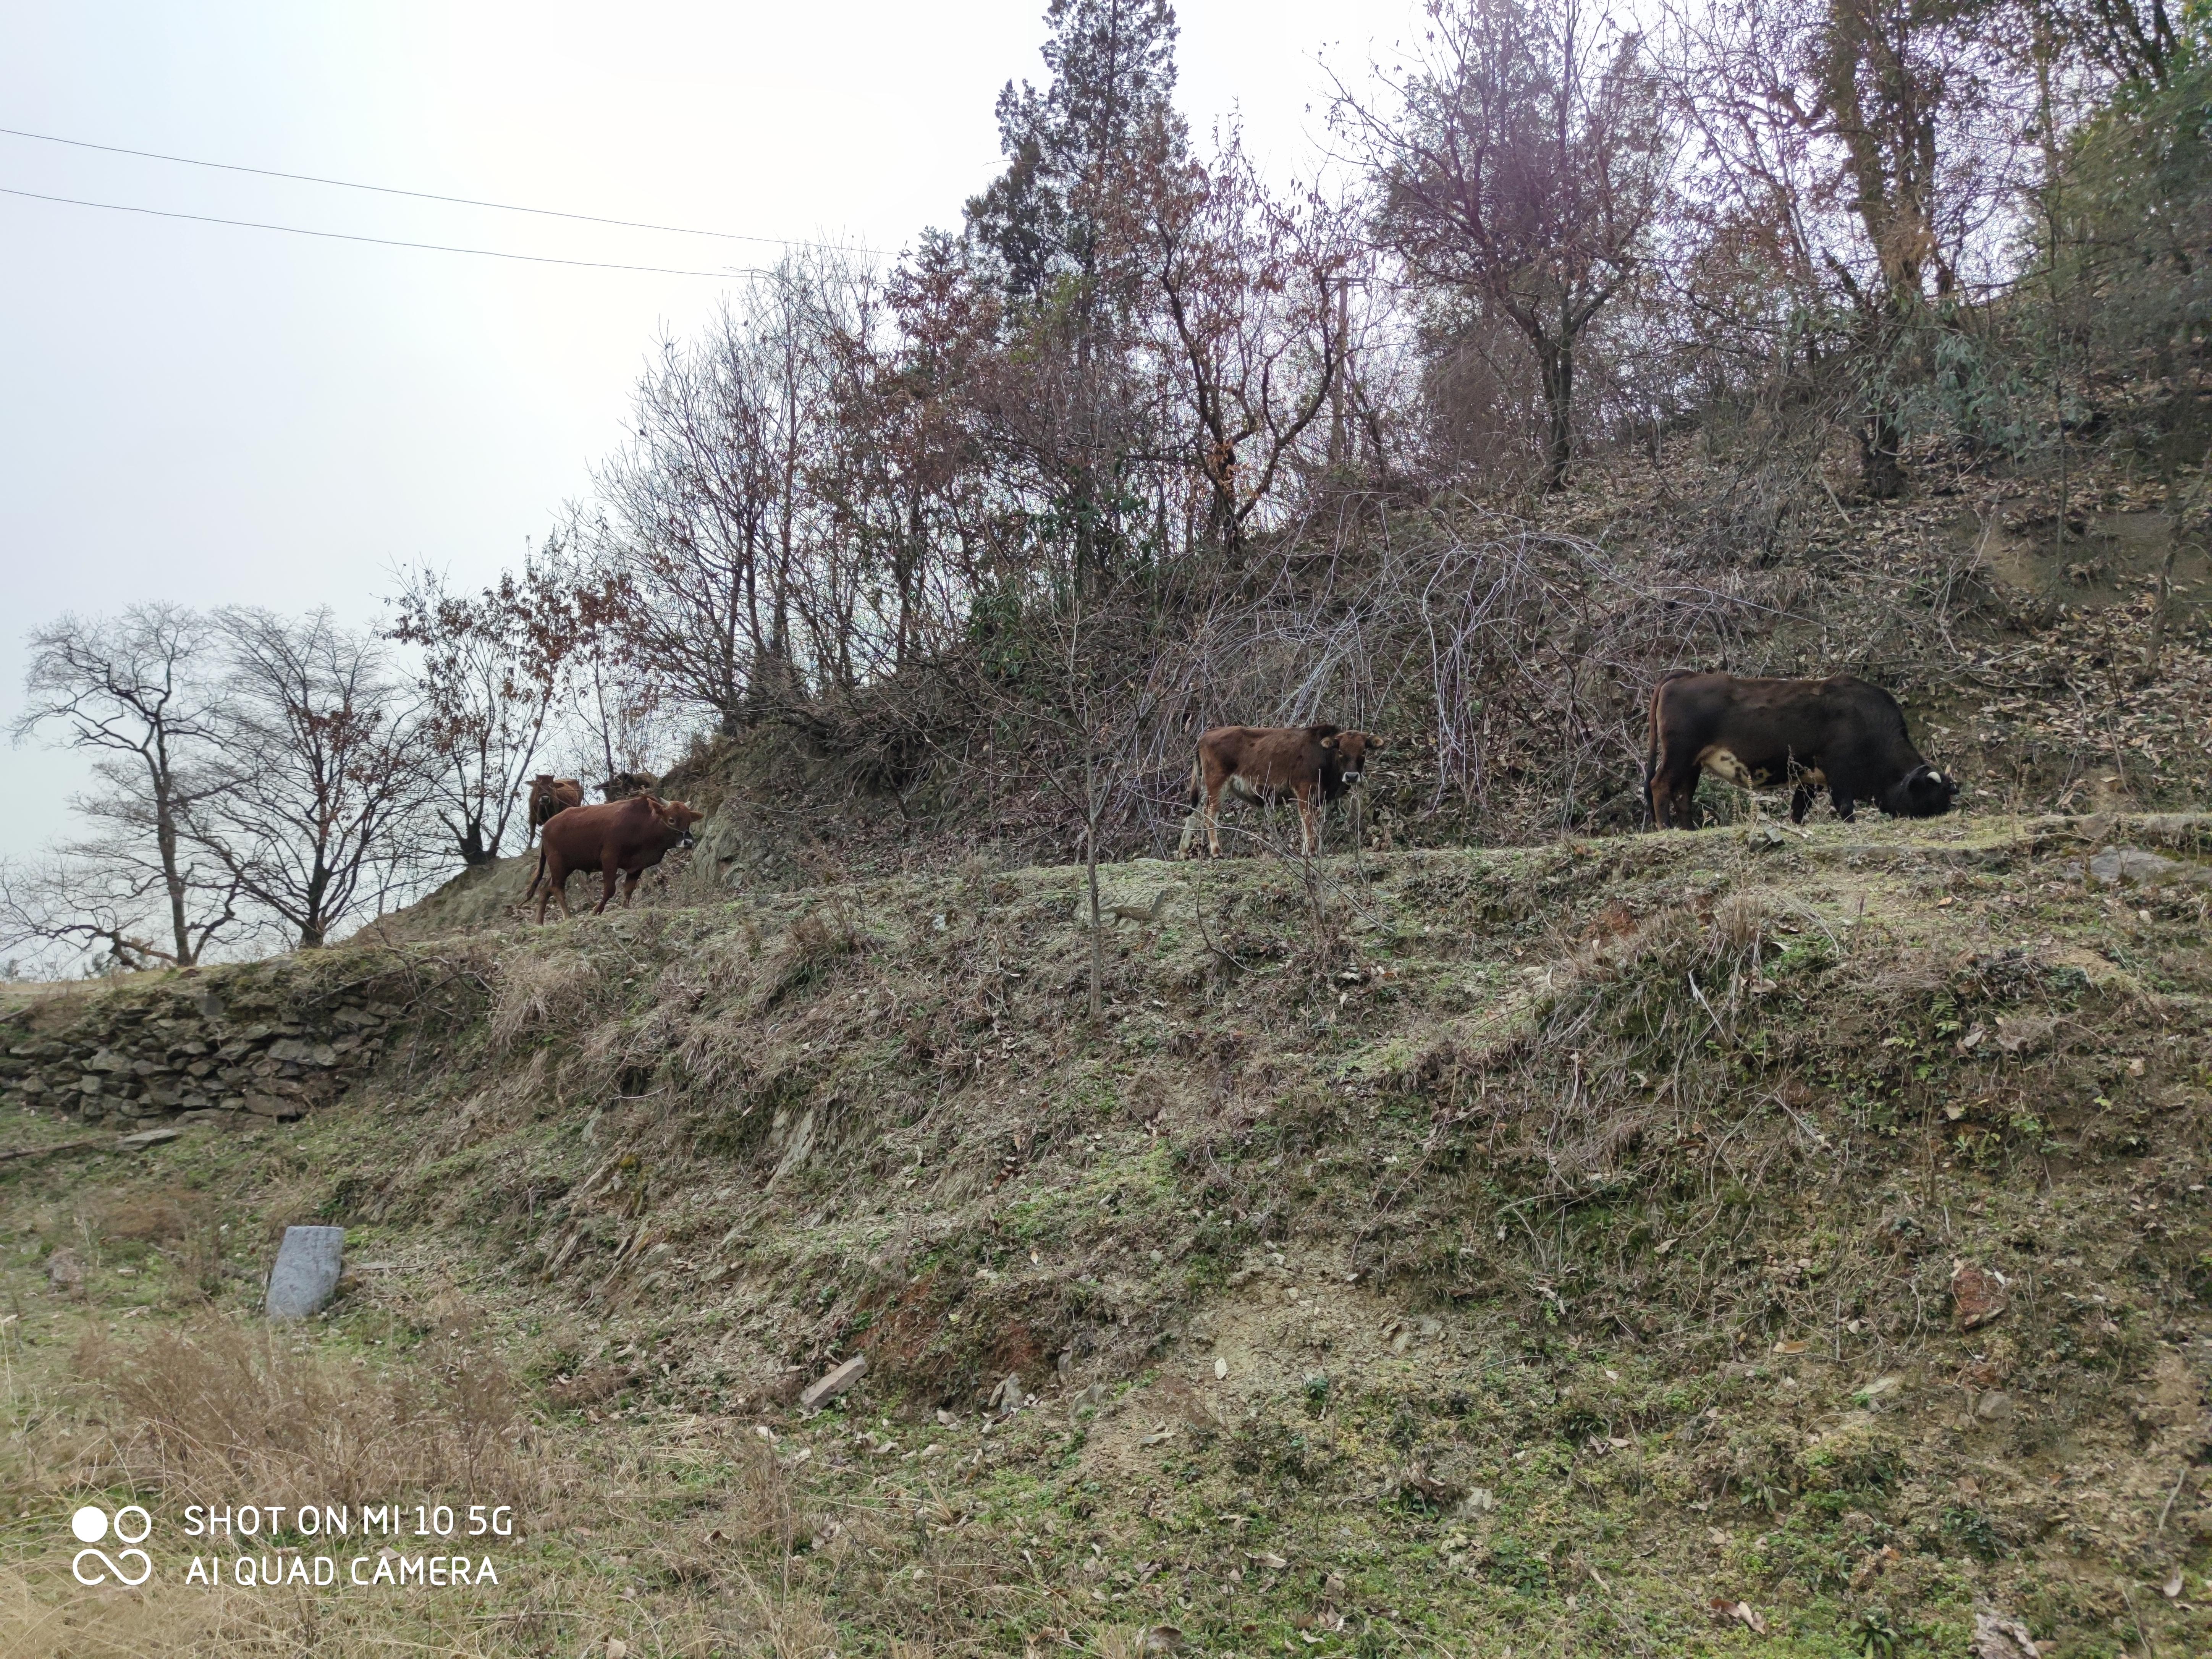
(145, 1567)
(90, 1526)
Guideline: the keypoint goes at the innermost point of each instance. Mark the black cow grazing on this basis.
(1839, 734)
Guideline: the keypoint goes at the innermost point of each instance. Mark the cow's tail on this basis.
(1196, 786)
(530, 892)
(1651, 748)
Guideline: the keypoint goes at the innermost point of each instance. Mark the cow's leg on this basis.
(560, 894)
(1800, 802)
(629, 886)
(1686, 796)
(1672, 795)
(548, 888)
(1212, 809)
(1308, 824)
(609, 872)
(1843, 804)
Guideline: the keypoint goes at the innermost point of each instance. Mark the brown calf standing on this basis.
(1315, 764)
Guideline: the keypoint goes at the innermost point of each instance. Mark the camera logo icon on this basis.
(91, 1524)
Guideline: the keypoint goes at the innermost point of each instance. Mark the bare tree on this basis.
(1254, 290)
(1087, 692)
(99, 910)
(1524, 165)
(615, 708)
(707, 522)
(323, 773)
(494, 668)
(1856, 188)
(899, 468)
(134, 691)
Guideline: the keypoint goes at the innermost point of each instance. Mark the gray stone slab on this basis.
(307, 1272)
(828, 1388)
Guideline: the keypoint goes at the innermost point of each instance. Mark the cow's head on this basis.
(679, 818)
(1923, 792)
(1350, 750)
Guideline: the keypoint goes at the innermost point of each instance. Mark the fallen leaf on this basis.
(1220, 1370)
(1266, 1558)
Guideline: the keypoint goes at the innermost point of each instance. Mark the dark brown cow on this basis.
(623, 785)
(1315, 764)
(1839, 734)
(549, 795)
(627, 837)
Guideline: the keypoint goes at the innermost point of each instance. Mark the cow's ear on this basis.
(1329, 742)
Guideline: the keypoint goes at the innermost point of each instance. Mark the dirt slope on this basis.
(1755, 1240)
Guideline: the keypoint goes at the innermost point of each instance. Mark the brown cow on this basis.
(1315, 764)
(1840, 734)
(549, 795)
(625, 836)
(623, 785)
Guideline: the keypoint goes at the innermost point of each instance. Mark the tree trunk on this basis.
(314, 925)
(1881, 472)
(164, 835)
(1095, 810)
(473, 850)
(1558, 364)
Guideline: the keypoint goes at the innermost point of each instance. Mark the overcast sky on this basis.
(210, 415)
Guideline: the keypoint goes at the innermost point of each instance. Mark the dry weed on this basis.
(219, 1411)
(147, 1218)
(543, 994)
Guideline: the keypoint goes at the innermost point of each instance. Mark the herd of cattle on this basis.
(1840, 734)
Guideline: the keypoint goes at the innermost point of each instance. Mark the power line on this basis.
(381, 241)
(429, 195)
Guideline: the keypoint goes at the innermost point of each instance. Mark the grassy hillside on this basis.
(1612, 1247)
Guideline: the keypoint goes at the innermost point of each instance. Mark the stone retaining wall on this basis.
(189, 1047)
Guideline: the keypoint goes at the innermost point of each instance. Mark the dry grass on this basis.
(539, 993)
(1680, 1177)
(216, 1412)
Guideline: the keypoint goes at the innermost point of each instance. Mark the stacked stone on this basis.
(183, 1051)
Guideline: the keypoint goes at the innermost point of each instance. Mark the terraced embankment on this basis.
(1752, 1239)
